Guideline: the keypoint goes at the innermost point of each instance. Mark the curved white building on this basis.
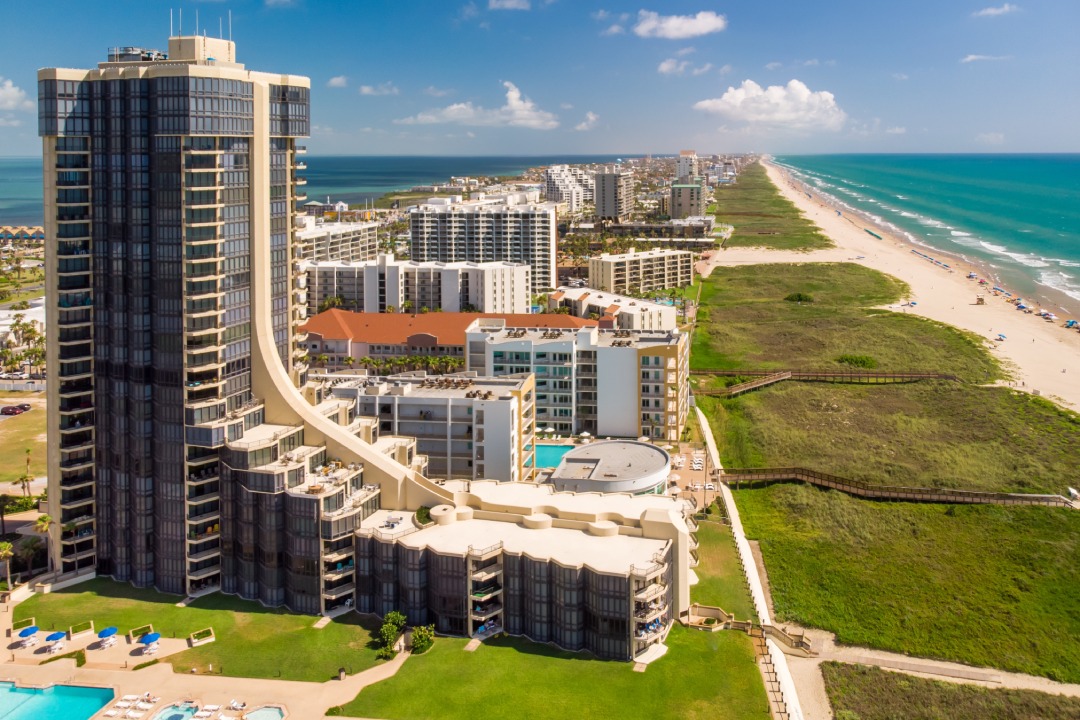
(613, 466)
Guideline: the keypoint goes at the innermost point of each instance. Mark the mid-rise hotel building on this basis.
(642, 272)
(508, 228)
(336, 241)
(614, 194)
(187, 449)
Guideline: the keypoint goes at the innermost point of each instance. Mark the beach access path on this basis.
(1039, 355)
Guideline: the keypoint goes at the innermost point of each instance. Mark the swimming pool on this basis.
(59, 702)
(548, 456)
(177, 712)
(266, 713)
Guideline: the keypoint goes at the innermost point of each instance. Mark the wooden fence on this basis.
(871, 491)
(763, 378)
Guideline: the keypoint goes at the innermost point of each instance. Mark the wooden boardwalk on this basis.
(764, 378)
(870, 491)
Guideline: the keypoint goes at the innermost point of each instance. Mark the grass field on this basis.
(927, 434)
(703, 675)
(720, 578)
(762, 216)
(745, 322)
(252, 641)
(19, 432)
(985, 585)
(858, 692)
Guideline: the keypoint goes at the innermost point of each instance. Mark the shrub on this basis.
(423, 515)
(423, 637)
(800, 297)
(859, 361)
(146, 664)
(393, 624)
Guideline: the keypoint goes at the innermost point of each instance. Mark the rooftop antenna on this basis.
(220, 31)
(170, 23)
(196, 22)
(230, 25)
(181, 34)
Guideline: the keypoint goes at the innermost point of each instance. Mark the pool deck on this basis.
(302, 700)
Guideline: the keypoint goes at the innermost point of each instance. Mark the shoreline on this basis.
(1039, 356)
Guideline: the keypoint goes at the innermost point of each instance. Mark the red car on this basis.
(11, 410)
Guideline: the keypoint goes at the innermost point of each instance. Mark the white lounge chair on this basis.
(128, 698)
(111, 713)
(212, 708)
(134, 715)
(143, 705)
(124, 704)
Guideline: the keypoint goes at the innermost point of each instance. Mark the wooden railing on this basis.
(764, 378)
(872, 491)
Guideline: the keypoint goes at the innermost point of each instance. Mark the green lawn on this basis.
(745, 322)
(762, 216)
(986, 585)
(858, 692)
(19, 432)
(252, 641)
(704, 675)
(720, 578)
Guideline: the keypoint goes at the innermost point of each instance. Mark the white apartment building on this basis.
(514, 227)
(686, 165)
(614, 194)
(375, 285)
(468, 427)
(568, 184)
(642, 389)
(642, 272)
(687, 200)
(613, 310)
(321, 242)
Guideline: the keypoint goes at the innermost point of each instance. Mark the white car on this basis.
(710, 486)
(698, 486)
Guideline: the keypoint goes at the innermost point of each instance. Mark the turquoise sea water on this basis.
(349, 178)
(1018, 213)
(59, 702)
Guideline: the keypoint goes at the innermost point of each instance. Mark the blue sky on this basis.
(530, 77)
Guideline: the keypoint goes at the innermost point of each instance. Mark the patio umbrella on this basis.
(107, 632)
(149, 638)
(28, 631)
(585, 433)
(58, 635)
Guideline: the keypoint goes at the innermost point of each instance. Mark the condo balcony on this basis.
(199, 531)
(484, 611)
(70, 499)
(79, 420)
(300, 150)
(650, 591)
(300, 165)
(331, 593)
(299, 181)
(338, 570)
(76, 480)
(200, 573)
(72, 248)
(647, 612)
(77, 535)
(484, 593)
(76, 404)
(485, 574)
(82, 462)
(212, 551)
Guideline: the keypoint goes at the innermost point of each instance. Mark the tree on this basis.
(393, 624)
(349, 360)
(7, 551)
(331, 303)
(28, 550)
(423, 637)
(44, 525)
(321, 360)
(406, 306)
(5, 502)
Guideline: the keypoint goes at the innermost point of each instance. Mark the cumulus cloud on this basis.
(9, 121)
(436, 92)
(811, 63)
(774, 66)
(995, 11)
(566, 106)
(982, 58)
(671, 66)
(900, 76)
(13, 97)
(519, 111)
(724, 69)
(615, 29)
(588, 123)
(678, 27)
(684, 51)
(701, 70)
(508, 4)
(600, 15)
(386, 88)
(792, 106)
(338, 81)
(990, 138)
(896, 131)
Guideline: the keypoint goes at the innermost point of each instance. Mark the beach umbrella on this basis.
(585, 433)
(58, 635)
(107, 632)
(28, 631)
(149, 638)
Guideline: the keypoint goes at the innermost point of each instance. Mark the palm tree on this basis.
(5, 503)
(28, 550)
(349, 360)
(44, 525)
(7, 551)
(321, 360)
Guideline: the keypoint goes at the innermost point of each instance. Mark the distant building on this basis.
(337, 241)
(643, 272)
(614, 194)
(21, 234)
(687, 200)
(376, 285)
(686, 165)
(568, 184)
(514, 227)
(617, 383)
(614, 310)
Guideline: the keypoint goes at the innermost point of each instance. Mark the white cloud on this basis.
(671, 66)
(774, 66)
(470, 134)
(792, 106)
(725, 69)
(566, 106)
(684, 51)
(338, 81)
(588, 123)
(896, 131)
(811, 63)
(519, 111)
(900, 76)
(678, 27)
(13, 97)
(436, 92)
(508, 4)
(600, 15)
(386, 88)
(614, 30)
(701, 70)
(468, 11)
(990, 138)
(981, 58)
(9, 121)
(995, 11)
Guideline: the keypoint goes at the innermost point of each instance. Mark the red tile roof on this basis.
(397, 328)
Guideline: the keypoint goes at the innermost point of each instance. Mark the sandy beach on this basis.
(1040, 356)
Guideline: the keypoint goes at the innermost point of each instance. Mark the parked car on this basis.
(25, 407)
(10, 410)
(710, 486)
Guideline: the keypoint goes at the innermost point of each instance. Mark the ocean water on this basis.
(353, 179)
(1019, 214)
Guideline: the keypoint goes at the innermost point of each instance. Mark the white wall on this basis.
(617, 384)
